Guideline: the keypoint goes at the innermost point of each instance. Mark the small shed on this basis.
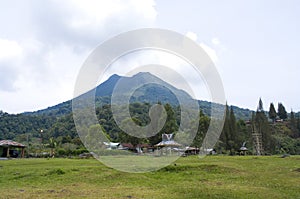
(8, 148)
(191, 150)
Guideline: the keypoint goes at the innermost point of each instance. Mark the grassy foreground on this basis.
(191, 177)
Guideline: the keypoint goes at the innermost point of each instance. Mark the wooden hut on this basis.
(191, 151)
(8, 148)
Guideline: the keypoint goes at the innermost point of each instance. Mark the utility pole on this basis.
(28, 145)
(41, 133)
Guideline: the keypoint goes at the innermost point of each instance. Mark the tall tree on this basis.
(202, 129)
(224, 137)
(233, 131)
(272, 112)
(293, 125)
(127, 138)
(95, 137)
(260, 107)
(262, 126)
(52, 145)
(244, 135)
(229, 139)
(170, 126)
(298, 126)
(281, 111)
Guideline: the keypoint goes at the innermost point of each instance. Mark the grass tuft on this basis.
(55, 172)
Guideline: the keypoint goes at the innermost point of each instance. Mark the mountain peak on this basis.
(114, 76)
(143, 74)
(156, 90)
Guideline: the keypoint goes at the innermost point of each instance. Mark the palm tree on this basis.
(52, 145)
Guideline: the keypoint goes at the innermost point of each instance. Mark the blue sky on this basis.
(258, 46)
(255, 45)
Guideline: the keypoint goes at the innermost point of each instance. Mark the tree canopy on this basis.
(282, 112)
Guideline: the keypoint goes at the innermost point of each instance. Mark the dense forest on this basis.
(280, 130)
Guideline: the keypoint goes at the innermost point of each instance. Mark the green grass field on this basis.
(191, 177)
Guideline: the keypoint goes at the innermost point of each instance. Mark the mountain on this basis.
(156, 91)
(144, 88)
(107, 87)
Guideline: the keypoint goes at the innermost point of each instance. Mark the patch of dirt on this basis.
(297, 170)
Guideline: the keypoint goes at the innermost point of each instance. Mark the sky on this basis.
(254, 45)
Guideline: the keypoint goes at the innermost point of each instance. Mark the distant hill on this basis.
(150, 93)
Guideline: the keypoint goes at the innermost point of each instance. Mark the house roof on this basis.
(167, 143)
(127, 145)
(243, 148)
(111, 144)
(167, 137)
(7, 143)
(167, 140)
(191, 148)
(143, 145)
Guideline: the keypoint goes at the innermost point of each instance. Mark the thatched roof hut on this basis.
(7, 147)
(167, 141)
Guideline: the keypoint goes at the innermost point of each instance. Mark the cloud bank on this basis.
(44, 43)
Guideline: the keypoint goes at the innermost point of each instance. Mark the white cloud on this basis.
(210, 52)
(96, 13)
(167, 66)
(9, 49)
(11, 54)
(215, 41)
(47, 42)
(193, 36)
(87, 23)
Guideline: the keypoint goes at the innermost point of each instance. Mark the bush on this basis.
(113, 152)
(79, 151)
(61, 152)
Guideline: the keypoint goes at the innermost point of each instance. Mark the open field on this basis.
(191, 177)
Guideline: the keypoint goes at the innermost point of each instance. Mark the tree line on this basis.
(279, 129)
